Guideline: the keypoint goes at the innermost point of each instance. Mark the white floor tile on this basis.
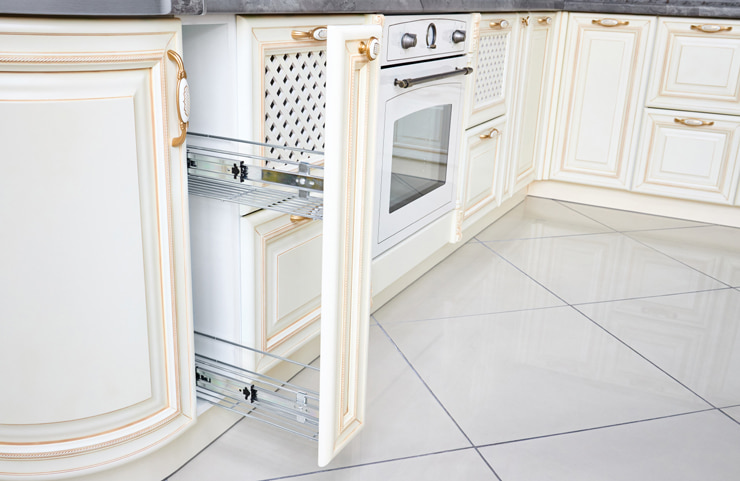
(536, 217)
(713, 250)
(403, 419)
(473, 280)
(458, 465)
(601, 267)
(623, 220)
(693, 337)
(701, 446)
(734, 412)
(517, 375)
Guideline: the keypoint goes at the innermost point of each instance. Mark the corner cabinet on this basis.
(601, 94)
(95, 311)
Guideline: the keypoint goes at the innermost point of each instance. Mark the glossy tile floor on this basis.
(565, 342)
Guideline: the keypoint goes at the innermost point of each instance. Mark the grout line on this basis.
(642, 356)
(597, 428)
(487, 463)
(673, 258)
(423, 382)
(731, 418)
(606, 331)
(545, 237)
(530, 277)
(462, 316)
(649, 297)
(371, 463)
(565, 202)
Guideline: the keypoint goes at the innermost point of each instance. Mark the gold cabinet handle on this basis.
(525, 21)
(610, 22)
(694, 122)
(371, 48)
(545, 20)
(297, 218)
(490, 135)
(183, 98)
(318, 34)
(503, 23)
(709, 28)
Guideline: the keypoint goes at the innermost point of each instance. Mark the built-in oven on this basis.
(421, 93)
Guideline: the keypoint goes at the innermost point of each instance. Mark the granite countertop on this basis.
(687, 8)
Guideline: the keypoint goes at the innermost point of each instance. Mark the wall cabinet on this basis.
(601, 93)
(95, 282)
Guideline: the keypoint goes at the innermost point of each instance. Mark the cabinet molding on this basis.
(104, 353)
(603, 86)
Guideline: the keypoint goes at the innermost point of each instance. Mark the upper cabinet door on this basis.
(494, 65)
(603, 84)
(95, 310)
(696, 66)
(352, 78)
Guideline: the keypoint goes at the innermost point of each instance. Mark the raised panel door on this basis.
(95, 308)
(697, 66)
(689, 155)
(535, 89)
(481, 186)
(603, 83)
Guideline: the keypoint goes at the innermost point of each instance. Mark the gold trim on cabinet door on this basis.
(183, 98)
(610, 22)
(711, 28)
(693, 122)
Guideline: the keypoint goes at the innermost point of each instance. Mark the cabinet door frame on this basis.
(73, 49)
(615, 171)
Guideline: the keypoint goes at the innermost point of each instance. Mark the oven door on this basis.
(419, 131)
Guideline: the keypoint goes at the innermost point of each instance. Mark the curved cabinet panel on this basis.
(94, 291)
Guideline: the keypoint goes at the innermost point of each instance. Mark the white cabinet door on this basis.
(494, 67)
(536, 85)
(95, 309)
(281, 283)
(689, 155)
(696, 66)
(603, 83)
(482, 167)
(351, 107)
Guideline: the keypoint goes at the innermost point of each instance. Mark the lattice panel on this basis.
(295, 100)
(491, 71)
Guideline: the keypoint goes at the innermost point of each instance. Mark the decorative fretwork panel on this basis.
(491, 72)
(295, 99)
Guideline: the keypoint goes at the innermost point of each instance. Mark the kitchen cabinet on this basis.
(494, 48)
(602, 89)
(536, 87)
(689, 156)
(696, 66)
(482, 166)
(281, 283)
(96, 333)
(292, 276)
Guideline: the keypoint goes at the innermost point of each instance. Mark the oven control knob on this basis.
(408, 40)
(458, 36)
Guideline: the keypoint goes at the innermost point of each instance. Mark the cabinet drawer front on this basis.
(282, 267)
(697, 70)
(691, 161)
(602, 87)
(493, 66)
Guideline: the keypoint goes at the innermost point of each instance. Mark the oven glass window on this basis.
(420, 148)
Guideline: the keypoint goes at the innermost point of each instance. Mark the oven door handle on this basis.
(410, 82)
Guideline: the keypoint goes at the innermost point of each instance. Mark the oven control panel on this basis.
(424, 37)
